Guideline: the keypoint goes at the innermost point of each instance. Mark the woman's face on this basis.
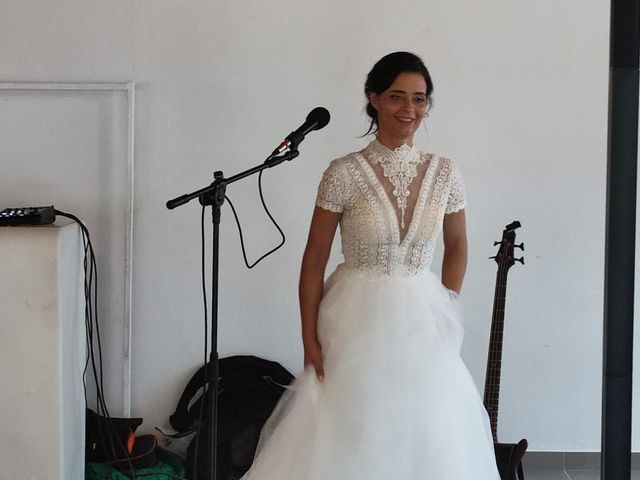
(401, 108)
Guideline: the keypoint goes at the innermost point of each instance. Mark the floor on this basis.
(569, 475)
(568, 466)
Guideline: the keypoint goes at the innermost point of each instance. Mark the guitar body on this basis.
(509, 459)
(508, 455)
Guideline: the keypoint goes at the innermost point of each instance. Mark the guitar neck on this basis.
(494, 358)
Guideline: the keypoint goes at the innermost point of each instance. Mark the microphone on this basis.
(317, 119)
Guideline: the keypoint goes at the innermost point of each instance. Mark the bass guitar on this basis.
(508, 455)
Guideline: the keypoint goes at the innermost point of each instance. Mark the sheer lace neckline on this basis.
(399, 167)
(376, 152)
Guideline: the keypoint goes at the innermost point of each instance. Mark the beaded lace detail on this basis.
(399, 166)
(374, 238)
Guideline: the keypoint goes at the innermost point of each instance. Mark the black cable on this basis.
(90, 272)
(244, 253)
(206, 345)
(88, 266)
(91, 321)
(92, 326)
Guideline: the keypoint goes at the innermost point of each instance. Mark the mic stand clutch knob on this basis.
(273, 161)
(215, 196)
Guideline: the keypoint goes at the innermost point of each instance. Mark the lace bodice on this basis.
(393, 204)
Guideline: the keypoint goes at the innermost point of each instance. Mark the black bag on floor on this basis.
(248, 390)
(111, 441)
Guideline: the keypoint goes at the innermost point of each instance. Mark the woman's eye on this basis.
(420, 100)
(395, 97)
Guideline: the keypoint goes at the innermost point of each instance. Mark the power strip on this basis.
(27, 216)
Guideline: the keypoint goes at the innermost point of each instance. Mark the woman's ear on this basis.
(373, 100)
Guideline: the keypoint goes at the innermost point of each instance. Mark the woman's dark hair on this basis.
(385, 71)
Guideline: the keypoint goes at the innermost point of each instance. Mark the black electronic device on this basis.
(27, 216)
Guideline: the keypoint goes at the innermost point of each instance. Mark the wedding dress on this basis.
(397, 401)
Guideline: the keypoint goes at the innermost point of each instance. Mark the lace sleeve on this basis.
(333, 190)
(457, 195)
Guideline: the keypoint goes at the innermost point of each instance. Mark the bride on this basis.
(384, 393)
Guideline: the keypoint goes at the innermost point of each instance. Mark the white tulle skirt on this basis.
(396, 402)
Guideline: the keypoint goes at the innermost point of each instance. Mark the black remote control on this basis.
(27, 216)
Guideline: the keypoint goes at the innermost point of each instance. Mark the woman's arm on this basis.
(454, 261)
(314, 262)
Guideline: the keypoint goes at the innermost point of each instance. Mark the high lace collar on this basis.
(376, 152)
(399, 166)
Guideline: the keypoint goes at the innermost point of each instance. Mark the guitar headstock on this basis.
(505, 257)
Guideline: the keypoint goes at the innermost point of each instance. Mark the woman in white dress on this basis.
(384, 393)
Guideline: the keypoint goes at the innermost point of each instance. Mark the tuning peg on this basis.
(521, 260)
(521, 246)
(492, 258)
(496, 243)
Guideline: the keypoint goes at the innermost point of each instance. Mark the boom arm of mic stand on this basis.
(268, 163)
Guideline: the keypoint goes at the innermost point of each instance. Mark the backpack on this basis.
(249, 388)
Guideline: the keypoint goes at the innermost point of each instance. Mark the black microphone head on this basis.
(319, 116)
(317, 119)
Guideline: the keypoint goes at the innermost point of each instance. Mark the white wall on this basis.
(75, 146)
(520, 103)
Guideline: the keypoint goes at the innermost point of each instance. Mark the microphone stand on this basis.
(214, 195)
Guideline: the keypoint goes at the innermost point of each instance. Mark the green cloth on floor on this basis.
(169, 466)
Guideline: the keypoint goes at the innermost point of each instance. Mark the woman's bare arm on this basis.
(454, 262)
(316, 254)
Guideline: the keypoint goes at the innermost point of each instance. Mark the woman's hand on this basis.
(313, 356)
